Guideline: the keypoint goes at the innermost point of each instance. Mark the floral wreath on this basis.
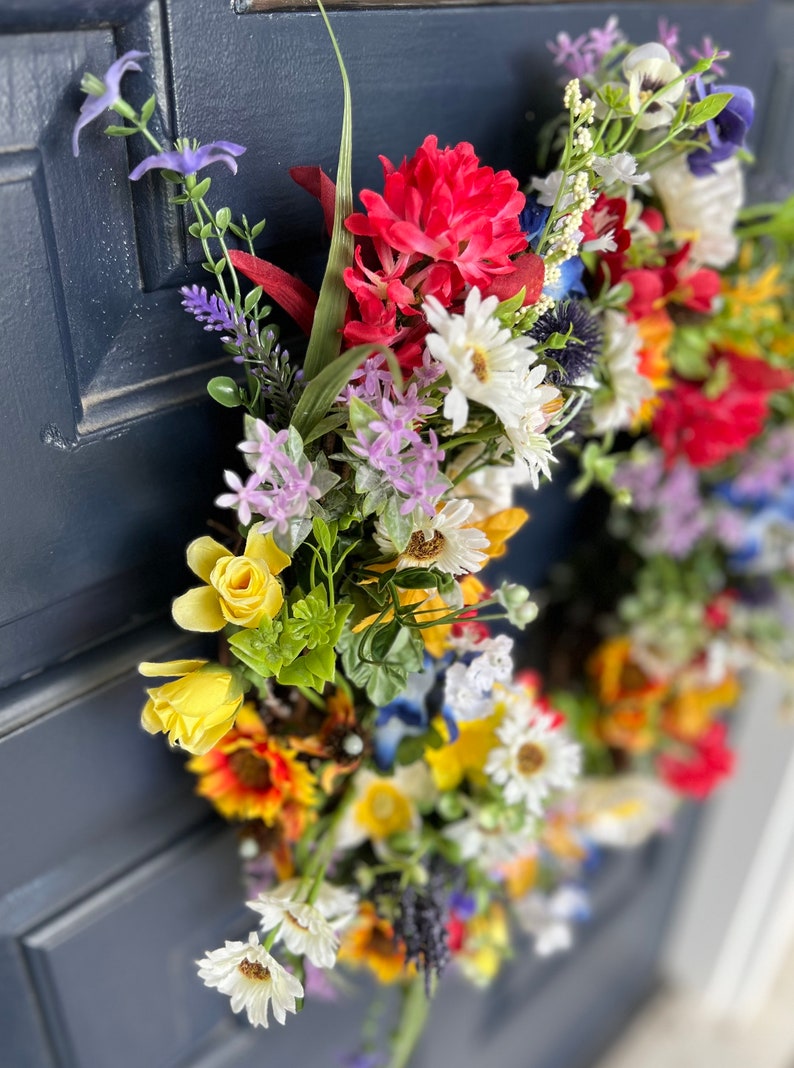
(401, 791)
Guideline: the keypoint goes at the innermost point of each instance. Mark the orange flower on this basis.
(251, 775)
(369, 943)
(689, 713)
(616, 676)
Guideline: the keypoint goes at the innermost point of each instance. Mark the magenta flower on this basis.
(186, 159)
(97, 102)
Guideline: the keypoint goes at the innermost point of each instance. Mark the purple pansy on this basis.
(186, 159)
(726, 133)
(94, 105)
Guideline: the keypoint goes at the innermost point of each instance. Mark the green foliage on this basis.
(709, 108)
(225, 391)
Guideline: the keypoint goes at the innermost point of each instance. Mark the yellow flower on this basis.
(486, 944)
(465, 756)
(369, 943)
(242, 590)
(197, 708)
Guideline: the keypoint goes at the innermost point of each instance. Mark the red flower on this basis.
(671, 283)
(442, 223)
(707, 430)
(710, 761)
(607, 217)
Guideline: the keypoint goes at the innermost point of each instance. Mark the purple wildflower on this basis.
(245, 496)
(668, 38)
(186, 159)
(218, 315)
(706, 51)
(278, 490)
(95, 103)
(602, 41)
(567, 52)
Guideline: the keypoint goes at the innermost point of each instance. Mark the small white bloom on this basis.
(703, 210)
(302, 928)
(253, 979)
(625, 389)
(622, 167)
(441, 541)
(468, 687)
(548, 187)
(484, 361)
(536, 757)
(547, 918)
(650, 71)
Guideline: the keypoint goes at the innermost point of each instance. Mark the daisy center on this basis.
(421, 549)
(252, 969)
(251, 771)
(479, 364)
(294, 922)
(530, 758)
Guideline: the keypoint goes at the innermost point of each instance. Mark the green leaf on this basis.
(361, 414)
(316, 400)
(417, 578)
(251, 299)
(148, 109)
(325, 426)
(257, 228)
(383, 639)
(200, 190)
(194, 230)
(508, 308)
(326, 337)
(206, 231)
(259, 649)
(708, 109)
(225, 391)
(120, 131)
(223, 216)
(322, 535)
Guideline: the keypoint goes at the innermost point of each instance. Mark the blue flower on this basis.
(97, 101)
(533, 219)
(570, 282)
(725, 134)
(186, 159)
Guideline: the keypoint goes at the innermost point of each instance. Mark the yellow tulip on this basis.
(195, 710)
(242, 590)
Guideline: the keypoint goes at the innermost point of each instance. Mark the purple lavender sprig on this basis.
(279, 384)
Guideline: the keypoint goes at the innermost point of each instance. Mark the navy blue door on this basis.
(113, 877)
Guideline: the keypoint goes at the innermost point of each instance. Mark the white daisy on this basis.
(625, 389)
(536, 757)
(247, 973)
(484, 361)
(649, 71)
(336, 903)
(540, 402)
(302, 928)
(440, 541)
(622, 167)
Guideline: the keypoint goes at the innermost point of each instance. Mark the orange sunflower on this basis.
(251, 775)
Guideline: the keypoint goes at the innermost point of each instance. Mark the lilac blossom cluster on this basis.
(218, 315)
(392, 444)
(770, 470)
(278, 489)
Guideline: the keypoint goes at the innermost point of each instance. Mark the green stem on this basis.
(413, 1017)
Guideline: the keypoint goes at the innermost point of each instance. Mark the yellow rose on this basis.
(242, 590)
(195, 710)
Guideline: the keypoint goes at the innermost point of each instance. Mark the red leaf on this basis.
(316, 182)
(294, 296)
